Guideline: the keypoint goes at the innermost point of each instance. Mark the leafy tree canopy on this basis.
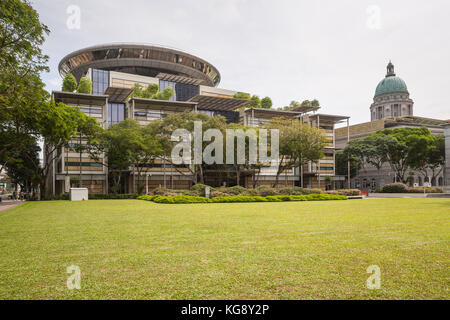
(69, 83)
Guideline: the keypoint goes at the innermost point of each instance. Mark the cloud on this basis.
(288, 50)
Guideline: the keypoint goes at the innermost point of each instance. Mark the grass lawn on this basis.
(131, 249)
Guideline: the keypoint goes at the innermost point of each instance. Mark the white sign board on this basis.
(78, 194)
(427, 184)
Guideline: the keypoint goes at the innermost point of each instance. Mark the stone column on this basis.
(447, 158)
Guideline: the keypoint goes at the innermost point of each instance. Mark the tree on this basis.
(299, 144)
(147, 148)
(342, 161)
(152, 92)
(23, 162)
(166, 94)
(57, 125)
(69, 83)
(403, 148)
(431, 158)
(163, 128)
(293, 105)
(251, 134)
(21, 58)
(369, 150)
(266, 103)
(85, 86)
(242, 95)
(117, 144)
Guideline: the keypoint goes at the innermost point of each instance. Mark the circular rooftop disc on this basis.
(140, 59)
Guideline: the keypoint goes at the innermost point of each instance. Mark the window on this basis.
(83, 164)
(100, 81)
(116, 113)
(183, 91)
(396, 110)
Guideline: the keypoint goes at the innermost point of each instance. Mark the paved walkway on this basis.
(8, 204)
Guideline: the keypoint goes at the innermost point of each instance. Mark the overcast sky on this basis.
(334, 51)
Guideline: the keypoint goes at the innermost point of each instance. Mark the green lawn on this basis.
(131, 249)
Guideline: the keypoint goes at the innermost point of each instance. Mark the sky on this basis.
(333, 51)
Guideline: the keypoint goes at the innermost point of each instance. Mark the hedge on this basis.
(102, 196)
(403, 188)
(233, 199)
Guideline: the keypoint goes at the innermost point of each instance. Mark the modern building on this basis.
(115, 68)
(392, 108)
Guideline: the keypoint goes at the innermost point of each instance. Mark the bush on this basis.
(103, 196)
(344, 192)
(236, 190)
(180, 199)
(200, 188)
(265, 191)
(395, 188)
(279, 198)
(312, 191)
(146, 197)
(218, 194)
(239, 199)
(186, 193)
(427, 190)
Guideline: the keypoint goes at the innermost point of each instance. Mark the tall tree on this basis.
(85, 86)
(266, 103)
(69, 83)
(299, 144)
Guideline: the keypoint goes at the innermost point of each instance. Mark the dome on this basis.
(391, 83)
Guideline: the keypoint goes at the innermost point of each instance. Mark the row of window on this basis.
(150, 115)
(83, 164)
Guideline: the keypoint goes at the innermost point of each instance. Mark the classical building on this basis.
(391, 98)
(115, 68)
(392, 108)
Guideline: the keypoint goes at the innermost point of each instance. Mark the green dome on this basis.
(391, 83)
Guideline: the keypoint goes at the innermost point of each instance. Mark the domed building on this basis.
(391, 98)
(391, 108)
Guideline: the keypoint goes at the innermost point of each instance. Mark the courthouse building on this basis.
(115, 68)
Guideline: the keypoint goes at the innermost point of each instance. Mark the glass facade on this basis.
(116, 113)
(100, 81)
(183, 91)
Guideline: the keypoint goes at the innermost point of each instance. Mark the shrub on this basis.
(200, 188)
(427, 190)
(218, 194)
(239, 199)
(236, 190)
(344, 192)
(180, 199)
(102, 196)
(265, 191)
(279, 198)
(146, 197)
(312, 191)
(187, 193)
(395, 188)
